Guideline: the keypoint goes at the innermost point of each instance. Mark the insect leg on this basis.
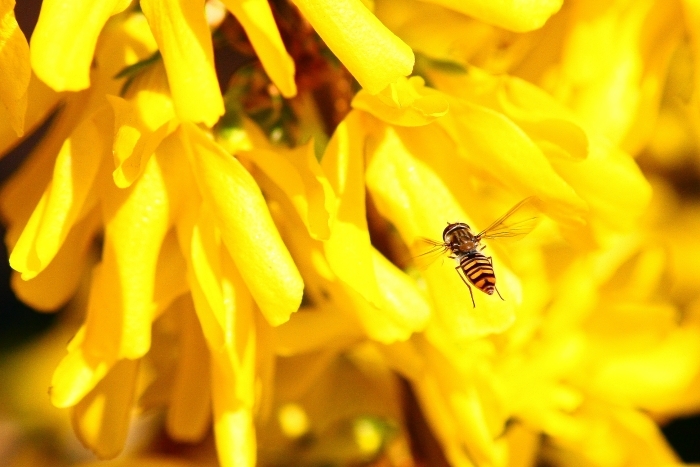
(495, 288)
(459, 273)
(499, 293)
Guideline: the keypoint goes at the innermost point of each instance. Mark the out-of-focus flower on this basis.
(259, 180)
(607, 62)
(14, 68)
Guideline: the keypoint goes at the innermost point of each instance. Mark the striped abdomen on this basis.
(479, 271)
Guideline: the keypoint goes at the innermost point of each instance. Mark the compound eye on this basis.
(450, 229)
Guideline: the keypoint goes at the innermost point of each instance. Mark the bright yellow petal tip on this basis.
(184, 40)
(256, 18)
(63, 42)
(372, 53)
(406, 102)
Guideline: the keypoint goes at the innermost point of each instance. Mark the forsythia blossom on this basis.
(231, 202)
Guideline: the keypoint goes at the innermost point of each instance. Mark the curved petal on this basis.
(122, 305)
(181, 31)
(298, 174)
(547, 122)
(404, 310)
(43, 101)
(189, 411)
(256, 18)
(246, 227)
(171, 274)
(22, 193)
(137, 132)
(516, 15)
(348, 250)
(14, 67)
(64, 199)
(610, 182)
(63, 42)
(372, 53)
(233, 417)
(493, 144)
(101, 419)
(406, 102)
(57, 283)
(76, 374)
(205, 268)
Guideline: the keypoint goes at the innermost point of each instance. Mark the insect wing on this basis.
(435, 250)
(517, 222)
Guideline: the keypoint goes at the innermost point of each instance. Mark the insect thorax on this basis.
(459, 238)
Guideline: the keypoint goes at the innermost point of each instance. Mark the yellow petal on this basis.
(205, 279)
(171, 275)
(435, 32)
(189, 411)
(101, 420)
(417, 202)
(256, 18)
(122, 304)
(326, 328)
(64, 201)
(298, 174)
(641, 367)
(543, 118)
(516, 15)
(619, 97)
(43, 101)
(246, 227)
(440, 416)
(181, 31)
(492, 144)
(404, 310)
(406, 102)
(104, 324)
(56, 284)
(63, 42)
(610, 182)
(76, 375)
(547, 122)
(328, 325)
(458, 400)
(22, 193)
(266, 366)
(124, 42)
(233, 419)
(348, 249)
(372, 53)
(14, 67)
(139, 128)
(614, 434)
(239, 328)
(562, 147)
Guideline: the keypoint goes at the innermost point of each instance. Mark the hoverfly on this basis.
(463, 245)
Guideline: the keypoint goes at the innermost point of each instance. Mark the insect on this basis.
(463, 245)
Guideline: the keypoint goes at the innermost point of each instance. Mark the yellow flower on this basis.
(631, 45)
(62, 58)
(176, 213)
(14, 68)
(259, 238)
